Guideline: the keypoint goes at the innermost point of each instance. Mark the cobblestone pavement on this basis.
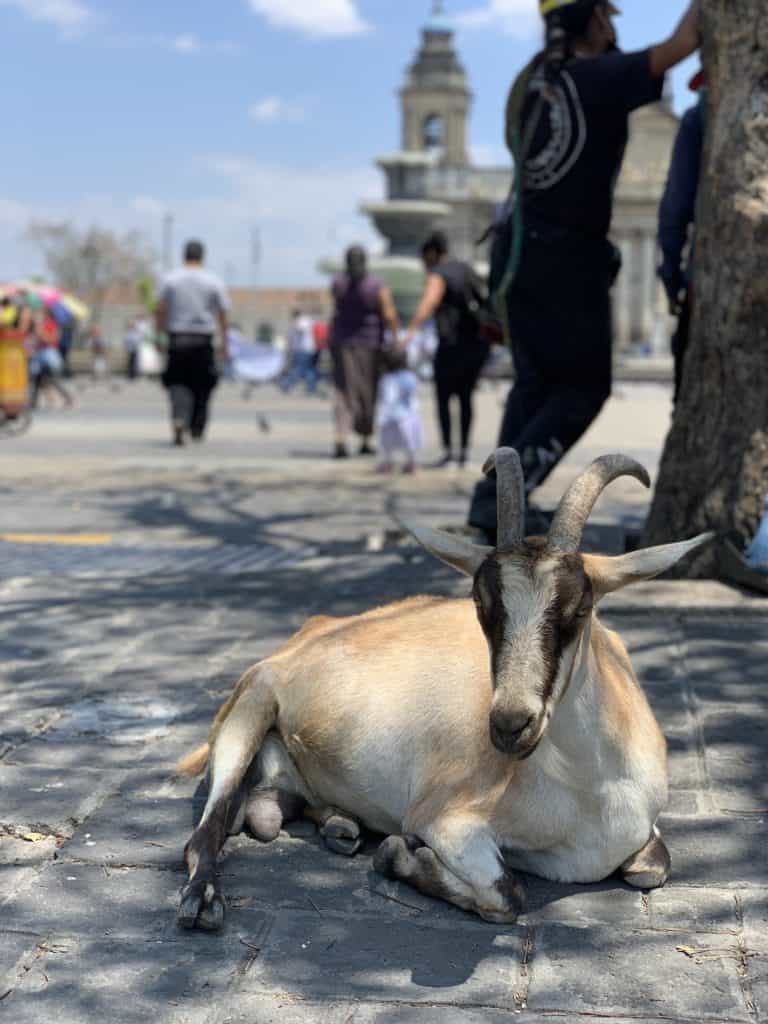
(111, 669)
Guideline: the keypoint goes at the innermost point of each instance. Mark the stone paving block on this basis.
(739, 784)
(101, 733)
(605, 971)
(725, 852)
(133, 829)
(261, 1009)
(608, 903)
(45, 800)
(755, 911)
(684, 765)
(300, 874)
(319, 959)
(86, 899)
(13, 880)
(754, 905)
(694, 909)
(684, 802)
(13, 946)
(728, 674)
(79, 981)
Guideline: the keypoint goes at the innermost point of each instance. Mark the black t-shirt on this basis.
(578, 147)
(454, 321)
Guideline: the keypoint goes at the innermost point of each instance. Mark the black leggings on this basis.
(457, 370)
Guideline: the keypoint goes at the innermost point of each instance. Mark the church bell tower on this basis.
(436, 99)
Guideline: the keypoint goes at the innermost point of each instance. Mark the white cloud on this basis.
(67, 15)
(187, 43)
(517, 17)
(313, 17)
(273, 109)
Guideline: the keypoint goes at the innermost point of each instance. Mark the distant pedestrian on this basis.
(46, 366)
(450, 298)
(301, 347)
(132, 344)
(97, 345)
(364, 308)
(399, 420)
(192, 304)
(676, 223)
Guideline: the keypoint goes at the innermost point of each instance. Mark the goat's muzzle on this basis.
(514, 734)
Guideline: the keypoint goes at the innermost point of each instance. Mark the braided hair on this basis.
(563, 27)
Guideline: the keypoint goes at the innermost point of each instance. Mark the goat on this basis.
(545, 758)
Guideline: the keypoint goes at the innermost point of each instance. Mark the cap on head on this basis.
(194, 252)
(547, 7)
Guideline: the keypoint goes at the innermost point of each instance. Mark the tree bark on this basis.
(714, 471)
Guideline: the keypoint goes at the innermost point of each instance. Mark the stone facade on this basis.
(432, 183)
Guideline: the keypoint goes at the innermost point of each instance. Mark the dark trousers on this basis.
(457, 370)
(190, 378)
(560, 323)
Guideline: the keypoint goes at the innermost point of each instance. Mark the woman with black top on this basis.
(461, 352)
(554, 267)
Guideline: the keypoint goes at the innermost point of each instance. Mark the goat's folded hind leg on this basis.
(239, 739)
(339, 831)
(650, 868)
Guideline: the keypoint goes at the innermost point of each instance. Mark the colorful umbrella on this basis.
(38, 295)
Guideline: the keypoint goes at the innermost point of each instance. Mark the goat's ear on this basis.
(610, 574)
(458, 552)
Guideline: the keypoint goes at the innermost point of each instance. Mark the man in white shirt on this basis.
(191, 306)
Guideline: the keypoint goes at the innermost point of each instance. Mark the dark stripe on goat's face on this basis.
(565, 616)
(560, 619)
(490, 608)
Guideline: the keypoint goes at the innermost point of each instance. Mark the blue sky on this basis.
(235, 113)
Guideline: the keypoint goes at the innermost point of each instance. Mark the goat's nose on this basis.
(507, 729)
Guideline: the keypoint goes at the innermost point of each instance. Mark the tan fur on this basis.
(194, 764)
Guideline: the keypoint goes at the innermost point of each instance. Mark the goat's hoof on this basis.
(202, 906)
(650, 867)
(342, 835)
(394, 858)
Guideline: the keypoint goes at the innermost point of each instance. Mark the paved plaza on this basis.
(139, 581)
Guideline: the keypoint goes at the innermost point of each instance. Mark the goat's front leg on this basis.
(459, 861)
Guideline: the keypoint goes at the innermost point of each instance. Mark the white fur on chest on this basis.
(570, 827)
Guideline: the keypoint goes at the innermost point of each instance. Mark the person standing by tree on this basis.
(364, 308)
(191, 304)
(567, 128)
(461, 353)
(676, 220)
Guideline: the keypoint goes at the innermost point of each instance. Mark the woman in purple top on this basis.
(364, 309)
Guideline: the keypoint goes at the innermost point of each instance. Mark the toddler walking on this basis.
(399, 421)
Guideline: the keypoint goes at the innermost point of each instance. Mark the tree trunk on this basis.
(714, 471)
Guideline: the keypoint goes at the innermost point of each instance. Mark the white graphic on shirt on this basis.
(567, 134)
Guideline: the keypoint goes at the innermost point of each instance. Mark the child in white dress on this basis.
(399, 421)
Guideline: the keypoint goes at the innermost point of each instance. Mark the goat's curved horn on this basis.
(580, 498)
(510, 486)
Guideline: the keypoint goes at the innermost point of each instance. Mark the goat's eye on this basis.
(585, 607)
